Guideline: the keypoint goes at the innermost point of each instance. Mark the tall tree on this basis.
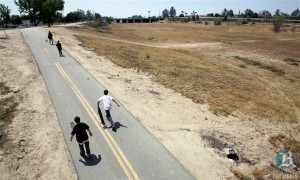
(277, 12)
(197, 17)
(72, 17)
(4, 14)
(194, 15)
(16, 19)
(172, 12)
(107, 19)
(97, 16)
(217, 15)
(225, 12)
(58, 17)
(81, 14)
(39, 10)
(182, 14)
(255, 15)
(230, 13)
(248, 13)
(30, 7)
(89, 15)
(296, 12)
(284, 14)
(49, 9)
(265, 13)
(165, 13)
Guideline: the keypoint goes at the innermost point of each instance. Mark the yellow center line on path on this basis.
(46, 50)
(107, 137)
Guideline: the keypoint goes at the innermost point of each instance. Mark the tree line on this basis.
(48, 12)
(80, 15)
(248, 13)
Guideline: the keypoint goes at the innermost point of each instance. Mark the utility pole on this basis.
(148, 14)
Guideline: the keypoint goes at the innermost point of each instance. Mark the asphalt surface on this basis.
(129, 153)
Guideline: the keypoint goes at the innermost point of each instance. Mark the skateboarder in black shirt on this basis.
(50, 37)
(58, 45)
(81, 136)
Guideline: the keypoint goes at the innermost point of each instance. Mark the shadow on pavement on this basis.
(118, 125)
(92, 160)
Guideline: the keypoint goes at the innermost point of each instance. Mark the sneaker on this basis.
(104, 127)
(82, 155)
(114, 129)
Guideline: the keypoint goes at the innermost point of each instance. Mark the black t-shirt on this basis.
(58, 45)
(80, 131)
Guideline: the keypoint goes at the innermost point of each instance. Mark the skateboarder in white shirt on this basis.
(106, 99)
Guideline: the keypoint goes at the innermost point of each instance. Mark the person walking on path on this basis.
(58, 45)
(106, 99)
(81, 136)
(50, 37)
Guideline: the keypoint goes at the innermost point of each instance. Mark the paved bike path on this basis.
(130, 153)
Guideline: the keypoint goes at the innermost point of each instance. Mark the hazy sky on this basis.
(127, 8)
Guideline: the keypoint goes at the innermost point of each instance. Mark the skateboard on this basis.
(101, 117)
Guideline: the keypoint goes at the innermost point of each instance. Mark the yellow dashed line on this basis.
(106, 135)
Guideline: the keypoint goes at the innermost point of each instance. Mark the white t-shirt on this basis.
(106, 102)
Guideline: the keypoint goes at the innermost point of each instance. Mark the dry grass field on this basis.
(248, 71)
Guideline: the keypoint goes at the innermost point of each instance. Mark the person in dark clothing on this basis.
(58, 45)
(81, 136)
(50, 37)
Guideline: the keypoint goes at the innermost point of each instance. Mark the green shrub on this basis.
(245, 21)
(292, 61)
(217, 21)
(277, 22)
(242, 66)
(260, 65)
(147, 56)
(223, 111)
(8, 106)
(3, 89)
